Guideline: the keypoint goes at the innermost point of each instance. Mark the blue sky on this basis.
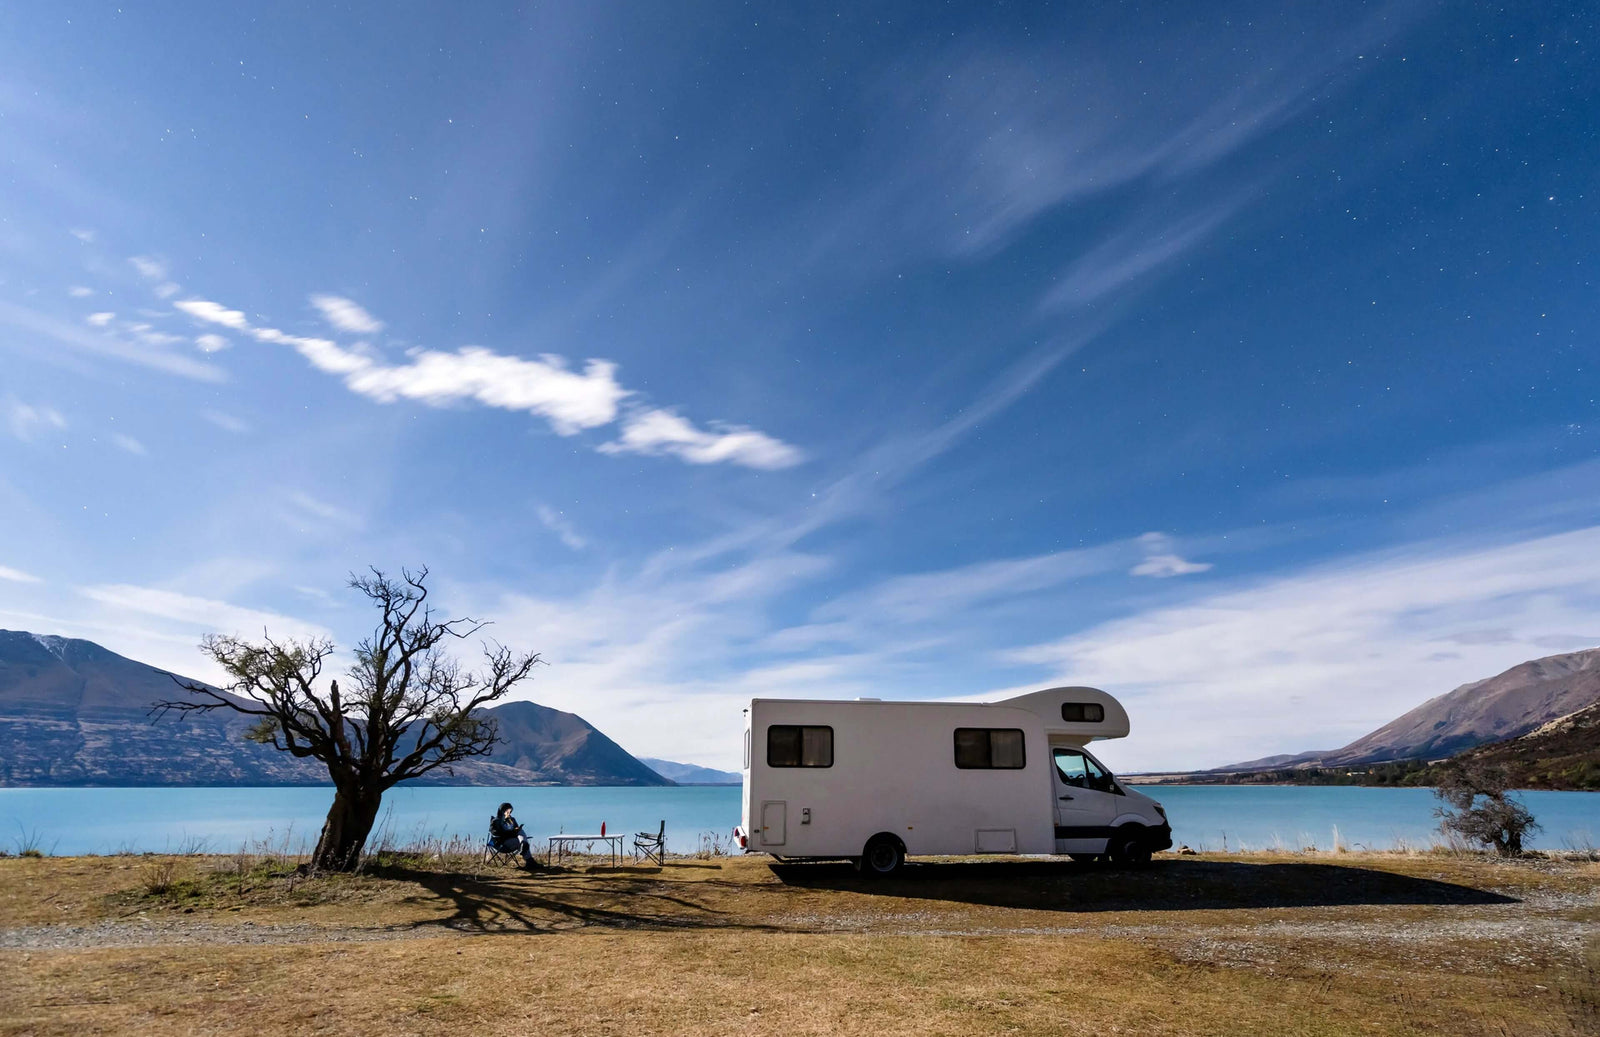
(1239, 361)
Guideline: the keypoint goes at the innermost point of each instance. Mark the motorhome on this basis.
(873, 781)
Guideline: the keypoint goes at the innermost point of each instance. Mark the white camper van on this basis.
(873, 781)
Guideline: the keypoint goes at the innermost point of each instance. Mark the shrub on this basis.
(1478, 808)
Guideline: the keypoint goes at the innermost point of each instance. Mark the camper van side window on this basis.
(989, 748)
(1083, 712)
(793, 745)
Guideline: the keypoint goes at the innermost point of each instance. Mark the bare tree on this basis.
(409, 708)
(1481, 809)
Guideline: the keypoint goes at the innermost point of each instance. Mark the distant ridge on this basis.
(74, 713)
(1504, 706)
(690, 774)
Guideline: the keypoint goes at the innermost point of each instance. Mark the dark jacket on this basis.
(504, 829)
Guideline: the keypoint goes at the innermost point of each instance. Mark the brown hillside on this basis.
(1563, 754)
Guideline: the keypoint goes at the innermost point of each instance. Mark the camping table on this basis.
(562, 844)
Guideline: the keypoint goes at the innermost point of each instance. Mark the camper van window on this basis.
(793, 745)
(1099, 778)
(1070, 765)
(989, 748)
(1083, 712)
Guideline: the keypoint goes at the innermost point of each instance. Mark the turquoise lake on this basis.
(221, 820)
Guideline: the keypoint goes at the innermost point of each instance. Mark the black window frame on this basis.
(1022, 741)
(801, 729)
(1084, 709)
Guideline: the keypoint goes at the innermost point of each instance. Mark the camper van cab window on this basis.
(1076, 768)
(989, 748)
(792, 745)
(1083, 712)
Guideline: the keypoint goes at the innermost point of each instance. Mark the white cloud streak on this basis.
(199, 615)
(213, 313)
(347, 315)
(128, 443)
(101, 343)
(570, 401)
(211, 343)
(557, 523)
(149, 268)
(17, 575)
(25, 420)
(226, 422)
(1162, 562)
(656, 432)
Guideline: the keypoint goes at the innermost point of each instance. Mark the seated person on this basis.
(508, 837)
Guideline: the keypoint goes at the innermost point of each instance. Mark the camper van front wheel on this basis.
(1129, 847)
(882, 856)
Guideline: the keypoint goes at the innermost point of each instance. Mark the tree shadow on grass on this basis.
(1173, 885)
(550, 901)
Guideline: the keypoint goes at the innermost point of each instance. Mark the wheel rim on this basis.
(882, 857)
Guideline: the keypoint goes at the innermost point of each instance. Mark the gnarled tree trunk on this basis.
(344, 833)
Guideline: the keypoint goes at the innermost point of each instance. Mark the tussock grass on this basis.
(1265, 943)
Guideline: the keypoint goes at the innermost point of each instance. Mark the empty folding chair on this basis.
(651, 846)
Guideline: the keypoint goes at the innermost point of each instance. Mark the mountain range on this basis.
(74, 713)
(689, 774)
(1497, 710)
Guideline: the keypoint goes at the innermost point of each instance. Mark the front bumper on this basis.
(1161, 838)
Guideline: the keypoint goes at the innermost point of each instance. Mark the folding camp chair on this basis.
(493, 855)
(651, 846)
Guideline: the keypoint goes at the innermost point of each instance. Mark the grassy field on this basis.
(1254, 944)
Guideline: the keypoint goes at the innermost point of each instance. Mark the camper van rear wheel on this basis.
(1129, 848)
(882, 856)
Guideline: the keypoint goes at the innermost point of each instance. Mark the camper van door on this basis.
(1085, 802)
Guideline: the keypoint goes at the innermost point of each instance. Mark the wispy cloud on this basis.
(569, 400)
(98, 342)
(1162, 562)
(211, 343)
(149, 268)
(227, 422)
(347, 315)
(128, 443)
(101, 319)
(663, 432)
(557, 523)
(25, 419)
(83, 234)
(197, 614)
(313, 507)
(1134, 254)
(78, 291)
(213, 313)
(17, 575)
(1315, 659)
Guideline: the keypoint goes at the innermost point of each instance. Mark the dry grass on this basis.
(1366, 944)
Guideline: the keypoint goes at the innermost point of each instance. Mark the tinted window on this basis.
(1079, 770)
(794, 745)
(1083, 712)
(990, 748)
(1070, 765)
